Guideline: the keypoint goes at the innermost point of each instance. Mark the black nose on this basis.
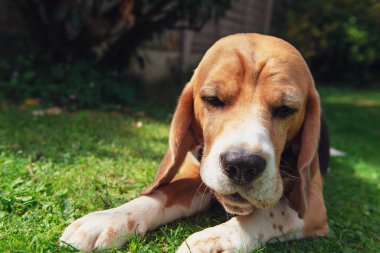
(242, 168)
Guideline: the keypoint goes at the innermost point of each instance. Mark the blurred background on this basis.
(111, 53)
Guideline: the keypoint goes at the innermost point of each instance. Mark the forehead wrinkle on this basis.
(208, 89)
(243, 63)
(290, 98)
(259, 71)
(225, 77)
(274, 70)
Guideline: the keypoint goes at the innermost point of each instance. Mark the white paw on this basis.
(112, 228)
(102, 230)
(219, 239)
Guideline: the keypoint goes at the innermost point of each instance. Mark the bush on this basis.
(109, 32)
(338, 38)
(76, 85)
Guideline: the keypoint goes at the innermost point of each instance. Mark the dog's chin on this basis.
(235, 204)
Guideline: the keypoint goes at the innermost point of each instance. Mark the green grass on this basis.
(54, 169)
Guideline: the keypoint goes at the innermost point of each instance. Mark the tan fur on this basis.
(315, 217)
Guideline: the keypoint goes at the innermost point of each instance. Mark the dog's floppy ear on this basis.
(307, 162)
(181, 140)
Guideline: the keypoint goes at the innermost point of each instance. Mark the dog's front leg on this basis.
(184, 196)
(244, 233)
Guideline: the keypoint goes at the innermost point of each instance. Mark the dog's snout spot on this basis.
(242, 168)
(131, 224)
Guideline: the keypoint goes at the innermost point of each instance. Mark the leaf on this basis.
(68, 208)
(24, 198)
(53, 111)
(17, 182)
(41, 188)
(61, 192)
(29, 75)
(3, 214)
(137, 124)
(31, 101)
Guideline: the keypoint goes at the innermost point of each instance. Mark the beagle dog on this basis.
(251, 115)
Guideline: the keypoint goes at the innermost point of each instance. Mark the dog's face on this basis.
(250, 102)
(250, 97)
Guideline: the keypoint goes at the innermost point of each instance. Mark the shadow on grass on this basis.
(66, 137)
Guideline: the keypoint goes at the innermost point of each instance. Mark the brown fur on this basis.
(111, 232)
(131, 224)
(188, 183)
(181, 140)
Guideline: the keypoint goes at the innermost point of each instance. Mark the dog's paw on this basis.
(219, 239)
(102, 230)
(112, 228)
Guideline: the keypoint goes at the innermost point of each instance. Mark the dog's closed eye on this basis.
(283, 112)
(213, 101)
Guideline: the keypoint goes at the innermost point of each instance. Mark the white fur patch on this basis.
(253, 137)
(337, 153)
(244, 233)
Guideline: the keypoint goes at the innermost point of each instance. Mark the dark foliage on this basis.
(338, 38)
(73, 86)
(109, 32)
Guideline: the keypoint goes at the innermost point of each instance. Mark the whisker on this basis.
(204, 193)
(296, 178)
(227, 214)
(199, 187)
(285, 170)
(283, 160)
(287, 167)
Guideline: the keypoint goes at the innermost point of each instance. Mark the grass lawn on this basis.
(54, 169)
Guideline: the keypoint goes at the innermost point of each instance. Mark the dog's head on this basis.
(250, 98)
